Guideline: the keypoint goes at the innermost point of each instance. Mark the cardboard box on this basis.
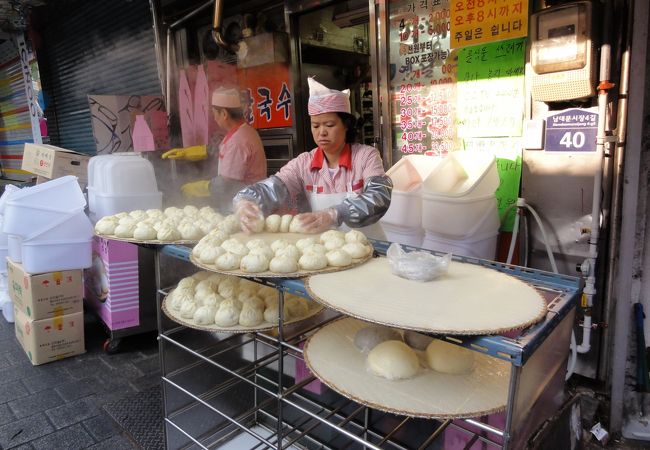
(51, 339)
(52, 162)
(45, 295)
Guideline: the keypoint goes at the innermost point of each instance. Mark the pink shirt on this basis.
(309, 171)
(241, 155)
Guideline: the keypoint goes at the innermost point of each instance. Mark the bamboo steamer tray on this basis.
(148, 242)
(468, 300)
(269, 238)
(264, 326)
(333, 358)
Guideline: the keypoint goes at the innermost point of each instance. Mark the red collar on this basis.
(230, 132)
(345, 158)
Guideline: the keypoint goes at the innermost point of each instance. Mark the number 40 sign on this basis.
(572, 130)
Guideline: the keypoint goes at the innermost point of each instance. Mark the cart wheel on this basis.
(112, 346)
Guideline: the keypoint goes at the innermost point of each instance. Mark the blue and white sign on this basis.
(573, 130)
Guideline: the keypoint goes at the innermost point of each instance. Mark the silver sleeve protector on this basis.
(369, 206)
(269, 194)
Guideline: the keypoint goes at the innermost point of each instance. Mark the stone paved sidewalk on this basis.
(59, 405)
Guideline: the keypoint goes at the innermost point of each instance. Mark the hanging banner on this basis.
(478, 21)
(491, 89)
(267, 95)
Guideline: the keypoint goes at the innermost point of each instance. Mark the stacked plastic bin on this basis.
(5, 300)
(402, 222)
(459, 207)
(47, 228)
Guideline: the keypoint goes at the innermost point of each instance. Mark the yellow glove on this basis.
(195, 153)
(196, 189)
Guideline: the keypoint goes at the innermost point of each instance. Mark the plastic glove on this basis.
(249, 215)
(196, 189)
(318, 221)
(195, 153)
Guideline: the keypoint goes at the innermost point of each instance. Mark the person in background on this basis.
(344, 182)
(241, 154)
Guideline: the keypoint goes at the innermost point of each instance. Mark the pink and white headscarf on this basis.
(324, 100)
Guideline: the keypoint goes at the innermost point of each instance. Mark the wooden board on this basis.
(269, 238)
(148, 242)
(469, 299)
(175, 316)
(332, 356)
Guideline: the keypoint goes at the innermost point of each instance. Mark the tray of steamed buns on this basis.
(280, 250)
(223, 303)
(406, 372)
(172, 225)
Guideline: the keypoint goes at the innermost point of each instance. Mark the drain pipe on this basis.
(588, 267)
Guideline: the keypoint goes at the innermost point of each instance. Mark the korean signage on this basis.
(267, 95)
(573, 130)
(479, 21)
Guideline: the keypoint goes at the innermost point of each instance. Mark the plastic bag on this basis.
(418, 266)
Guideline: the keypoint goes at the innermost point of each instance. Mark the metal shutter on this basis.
(93, 47)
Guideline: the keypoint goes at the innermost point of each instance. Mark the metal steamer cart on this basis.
(248, 390)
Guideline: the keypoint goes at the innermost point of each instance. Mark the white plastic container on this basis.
(467, 174)
(15, 245)
(75, 226)
(483, 247)
(9, 190)
(455, 217)
(109, 204)
(405, 209)
(56, 255)
(403, 235)
(4, 252)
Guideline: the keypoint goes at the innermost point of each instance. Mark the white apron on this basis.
(323, 201)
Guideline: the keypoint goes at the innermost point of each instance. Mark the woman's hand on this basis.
(249, 215)
(318, 221)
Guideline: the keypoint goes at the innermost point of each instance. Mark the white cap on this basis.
(226, 98)
(323, 100)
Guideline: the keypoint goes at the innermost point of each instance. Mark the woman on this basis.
(345, 183)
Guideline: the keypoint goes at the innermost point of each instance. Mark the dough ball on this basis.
(201, 275)
(190, 232)
(278, 244)
(229, 225)
(273, 223)
(228, 287)
(191, 210)
(312, 261)
(417, 340)
(271, 313)
(180, 296)
(216, 236)
(356, 249)
(232, 303)
(302, 244)
(257, 225)
(171, 211)
(226, 316)
(330, 234)
(187, 309)
(251, 316)
(296, 225)
(188, 282)
(106, 225)
(393, 360)
(316, 248)
(228, 261)
(206, 211)
(235, 246)
(290, 251)
(172, 221)
(265, 291)
(168, 233)
(204, 226)
(128, 220)
(156, 213)
(207, 284)
(202, 295)
(212, 299)
(369, 337)
(198, 248)
(119, 215)
(298, 306)
(138, 214)
(449, 358)
(144, 232)
(283, 264)
(204, 315)
(256, 243)
(254, 263)
(217, 277)
(338, 258)
(156, 225)
(355, 236)
(125, 230)
(210, 254)
(334, 243)
(285, 223)
(254, 301)
(265, 251)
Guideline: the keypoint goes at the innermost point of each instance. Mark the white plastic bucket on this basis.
(55, 255)
(405, 209)
(121, 173)
(403, 235)
(75, 226)
(102, 204)
(9, 190)
(15, 244)
(455, 217)
(483, 247)
(405, 176)
(4, 252)
(468, 174)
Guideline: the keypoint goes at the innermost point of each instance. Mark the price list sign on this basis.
(479, 21)
(490, 89)
(423, 78)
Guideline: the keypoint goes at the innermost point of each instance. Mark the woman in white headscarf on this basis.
(344, 182)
